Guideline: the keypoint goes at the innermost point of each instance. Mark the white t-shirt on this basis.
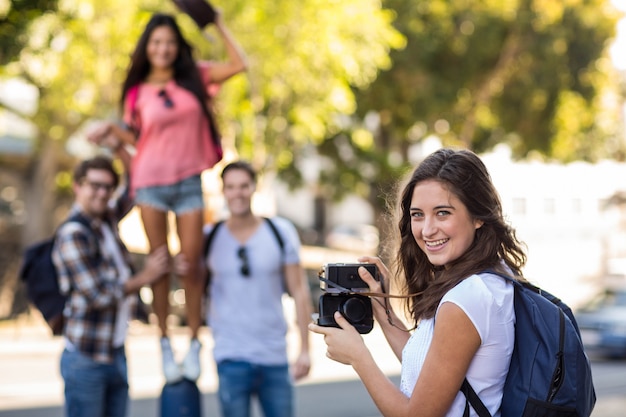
(245, 312)
(488, 302)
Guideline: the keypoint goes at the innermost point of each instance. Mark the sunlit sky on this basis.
(618, 49)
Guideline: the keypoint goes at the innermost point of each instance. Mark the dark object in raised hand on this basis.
(201, 11)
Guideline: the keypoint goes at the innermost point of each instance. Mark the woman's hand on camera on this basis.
(375, 286)
(382, 308)
(344, 344)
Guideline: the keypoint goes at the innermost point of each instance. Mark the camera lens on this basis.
(354, 309)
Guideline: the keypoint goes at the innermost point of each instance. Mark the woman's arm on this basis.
(112, 136)
(455, 342)
(454, 345)
(298, 288)
(236, 58)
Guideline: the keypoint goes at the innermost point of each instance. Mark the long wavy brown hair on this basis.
(495, 243)
(186, 72)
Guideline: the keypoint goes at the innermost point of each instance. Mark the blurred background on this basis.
(341, 100)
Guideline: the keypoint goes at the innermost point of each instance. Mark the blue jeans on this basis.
(239, 381)
(95, 389)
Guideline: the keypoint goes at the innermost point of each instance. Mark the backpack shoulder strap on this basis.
(279, 238)
(86, 223)
(205, 251)
(133, 95)
(79, 218)
(209, 239)
(211, 236)
(471, 398)
(525, 285)
(281, 243)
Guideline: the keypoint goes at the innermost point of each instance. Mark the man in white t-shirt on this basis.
(250, 267)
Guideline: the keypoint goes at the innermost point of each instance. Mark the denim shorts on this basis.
(180, 197)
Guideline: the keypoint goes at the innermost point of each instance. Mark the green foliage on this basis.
(530, 73)
(478, 73)
(304, 58)
(15, 18)
(356, 81)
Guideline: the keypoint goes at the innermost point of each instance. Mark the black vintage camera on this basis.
(342, 284)
(346, 277)
(357, 309)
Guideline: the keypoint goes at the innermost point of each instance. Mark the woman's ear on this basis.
(478, 224)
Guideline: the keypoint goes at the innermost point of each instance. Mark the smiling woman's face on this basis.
(162, 47)
(440, 223)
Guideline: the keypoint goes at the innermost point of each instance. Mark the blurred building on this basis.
(568, 215)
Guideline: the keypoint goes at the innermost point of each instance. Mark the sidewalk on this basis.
(29, 362)
(29, 375)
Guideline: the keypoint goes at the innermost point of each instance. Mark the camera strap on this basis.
(345, 290)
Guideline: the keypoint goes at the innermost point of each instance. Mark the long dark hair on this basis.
(186, 72)
(464, 175)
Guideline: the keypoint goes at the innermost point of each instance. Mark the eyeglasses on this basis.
(242, 254)
(95, 186)
(167, 101)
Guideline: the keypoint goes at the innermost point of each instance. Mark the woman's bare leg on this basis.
(189, 227)
(155, 226)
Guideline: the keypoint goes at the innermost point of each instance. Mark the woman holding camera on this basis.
(451, 230)
(167, 109)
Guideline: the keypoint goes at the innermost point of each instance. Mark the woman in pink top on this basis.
(169, 121)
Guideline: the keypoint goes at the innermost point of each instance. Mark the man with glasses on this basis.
(94, 270)
(250, 269)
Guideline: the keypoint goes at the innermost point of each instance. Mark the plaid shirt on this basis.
(92, 282)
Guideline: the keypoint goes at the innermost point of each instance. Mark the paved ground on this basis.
(30, 380)
(30, 384)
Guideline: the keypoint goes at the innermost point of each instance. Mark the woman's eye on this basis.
(443, 213)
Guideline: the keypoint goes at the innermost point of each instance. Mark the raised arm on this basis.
(236, 61)
(109, 135)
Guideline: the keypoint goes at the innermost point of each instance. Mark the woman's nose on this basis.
(429, 227)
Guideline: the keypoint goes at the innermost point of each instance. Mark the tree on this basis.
(14, 23)
(530, 73)
(304, 55)
(497, 73)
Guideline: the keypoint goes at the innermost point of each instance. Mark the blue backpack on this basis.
(549, 374)
(39, 275)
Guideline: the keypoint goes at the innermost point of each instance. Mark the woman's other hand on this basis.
(103, 135)
(345, 344)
